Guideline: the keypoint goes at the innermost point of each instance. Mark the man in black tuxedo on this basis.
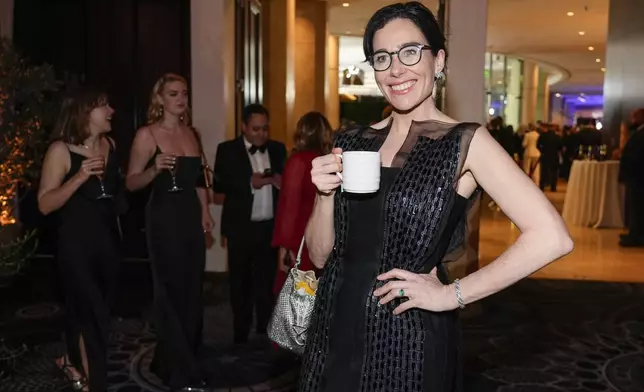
(550, 146)
(248, 174)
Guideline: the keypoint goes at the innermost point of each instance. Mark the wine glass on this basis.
(173, 174)
(100, 177)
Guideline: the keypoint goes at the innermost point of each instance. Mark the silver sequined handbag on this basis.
(294, 307)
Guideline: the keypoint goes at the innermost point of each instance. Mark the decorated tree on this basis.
(27, 105)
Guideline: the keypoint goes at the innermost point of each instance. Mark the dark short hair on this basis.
(253, 108)
(413, 11)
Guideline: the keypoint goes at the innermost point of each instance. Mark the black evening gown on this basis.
(416, 221)
(88, 262)
(178, 252)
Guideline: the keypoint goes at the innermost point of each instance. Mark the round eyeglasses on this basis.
(408, 55)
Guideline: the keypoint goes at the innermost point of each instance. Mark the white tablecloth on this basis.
(594, 197)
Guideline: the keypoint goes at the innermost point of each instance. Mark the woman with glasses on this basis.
(385, 317)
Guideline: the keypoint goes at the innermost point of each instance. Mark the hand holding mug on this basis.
(164, 162)
(324, 172)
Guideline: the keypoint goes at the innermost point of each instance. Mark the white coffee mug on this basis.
(360, 171)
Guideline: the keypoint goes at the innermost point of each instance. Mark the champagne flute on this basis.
(173, 174)
(100, 177)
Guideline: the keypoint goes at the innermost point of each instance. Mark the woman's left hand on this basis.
(207, 222)
(422, 291)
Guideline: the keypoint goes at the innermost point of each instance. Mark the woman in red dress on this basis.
(297, 194)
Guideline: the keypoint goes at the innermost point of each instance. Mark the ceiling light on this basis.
(591, 48)
(603, 69)
(557, 95)
(347, 32)
(570, 13)
(598, 60)
(345, 5)
(582, 33)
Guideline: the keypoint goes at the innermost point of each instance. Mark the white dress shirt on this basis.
(263, 197)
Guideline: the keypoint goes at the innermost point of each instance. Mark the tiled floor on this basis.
(597, 255)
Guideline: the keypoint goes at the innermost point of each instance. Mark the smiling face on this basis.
(256, 129)
(100, 119)
(404, 86)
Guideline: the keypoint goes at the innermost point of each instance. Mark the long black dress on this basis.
(88, 262)
(177, 248)
(413, 222)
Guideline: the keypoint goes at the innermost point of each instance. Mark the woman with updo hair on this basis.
(386, 311)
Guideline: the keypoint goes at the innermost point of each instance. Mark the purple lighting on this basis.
(577, 100)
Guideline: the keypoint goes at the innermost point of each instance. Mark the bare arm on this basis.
(202, 193)
(544, 237)
(52, 192)
(143, 148)
(320, 231)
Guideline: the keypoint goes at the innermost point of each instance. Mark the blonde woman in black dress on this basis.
(166, 154)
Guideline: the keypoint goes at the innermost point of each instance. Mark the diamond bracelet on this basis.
(459, 298)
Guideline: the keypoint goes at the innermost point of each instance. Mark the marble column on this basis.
(530, 92)
(332, 92)
(6, 18)
(213, 89)
(623, 81)
(278, 50)
(465, 92)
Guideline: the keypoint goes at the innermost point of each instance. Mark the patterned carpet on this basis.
(538, 336)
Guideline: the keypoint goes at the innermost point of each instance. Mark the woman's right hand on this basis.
(91, 167)
(323, 173)
(164, 162)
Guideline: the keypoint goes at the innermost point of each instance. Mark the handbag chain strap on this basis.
(298, 258)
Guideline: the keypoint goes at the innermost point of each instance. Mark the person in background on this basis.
(312, 138)
(631, 174)
(549, 144)
(166, 154)
(248, 176)
(531, 155)
(80, 180)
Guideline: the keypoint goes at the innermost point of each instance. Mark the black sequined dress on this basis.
(416, 221)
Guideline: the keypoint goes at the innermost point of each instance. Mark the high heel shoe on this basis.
(69, 372)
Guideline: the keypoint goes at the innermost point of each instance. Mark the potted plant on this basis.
(26, 107)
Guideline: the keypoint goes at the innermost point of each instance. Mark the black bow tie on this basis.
(253, 149)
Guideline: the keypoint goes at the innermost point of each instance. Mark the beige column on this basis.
(278, 21)
(465, 92)
(466, 32)
(530, 92)
(332, 92)
(6, 18)
(213, 89)
(546, 101)
(310, 59)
